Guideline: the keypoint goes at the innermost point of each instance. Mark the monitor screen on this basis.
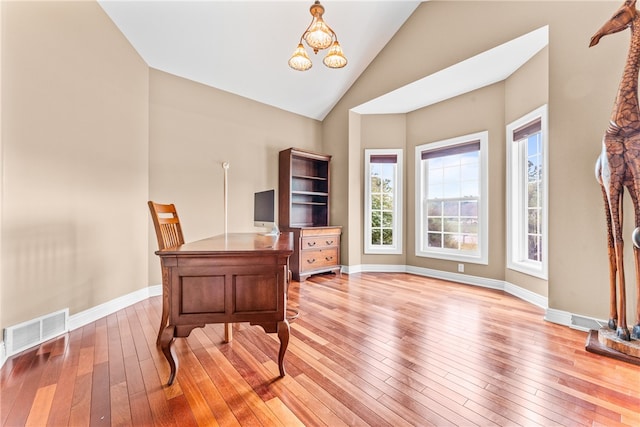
(264, 208)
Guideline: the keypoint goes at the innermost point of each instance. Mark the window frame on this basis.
(482, 256)
(515, 195)
(396, 248)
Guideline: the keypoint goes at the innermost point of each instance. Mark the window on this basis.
(451, 199)
(527, 194)
(383, 202)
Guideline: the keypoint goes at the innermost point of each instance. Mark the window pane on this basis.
(451, 225)
(376, 202)
(532, 221)
(387, 219)
(469, 226)
(375, 184)
(387, 202)
(436, 192)
(533, 194)
(451, 241)
(434, 209)
(469, 208)
(470, 172)
(435, 224)
(469, 242)
(451, 208)
(376, 219)
(435, 240)
(533, 248)
(470, 189)
(375, 237)
(387, 236)
(434, 175)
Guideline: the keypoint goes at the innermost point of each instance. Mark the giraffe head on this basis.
(620, 20)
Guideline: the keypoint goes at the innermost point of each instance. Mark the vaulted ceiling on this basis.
(243, 47)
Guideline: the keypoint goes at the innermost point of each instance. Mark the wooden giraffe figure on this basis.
(618, 166)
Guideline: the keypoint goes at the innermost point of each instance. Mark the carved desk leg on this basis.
(166, 344)
(164, 317)
(283, 336)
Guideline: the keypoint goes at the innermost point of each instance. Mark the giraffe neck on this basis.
(626, 113)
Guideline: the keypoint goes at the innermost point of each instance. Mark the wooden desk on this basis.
(239, 277)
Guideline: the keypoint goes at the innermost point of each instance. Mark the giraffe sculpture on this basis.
(618, 167)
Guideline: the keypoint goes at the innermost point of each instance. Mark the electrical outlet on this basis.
(460, 268)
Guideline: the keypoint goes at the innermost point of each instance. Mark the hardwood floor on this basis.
(379, 349)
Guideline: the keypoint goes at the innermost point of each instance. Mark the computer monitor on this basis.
(264, 211)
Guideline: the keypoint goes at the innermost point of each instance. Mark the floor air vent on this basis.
(36, 331)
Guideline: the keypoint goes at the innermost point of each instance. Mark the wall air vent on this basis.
(36, 331)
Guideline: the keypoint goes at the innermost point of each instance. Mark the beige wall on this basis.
(193, 130)
(74, 160)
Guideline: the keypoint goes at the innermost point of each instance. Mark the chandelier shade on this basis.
(335, 58)
(318, 36)
(300, 60)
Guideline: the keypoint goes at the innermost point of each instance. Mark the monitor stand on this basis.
(275, 231)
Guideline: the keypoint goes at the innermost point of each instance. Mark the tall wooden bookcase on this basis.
(303, 208)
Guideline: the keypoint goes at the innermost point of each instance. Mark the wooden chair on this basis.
(167, 225)
(169, 234)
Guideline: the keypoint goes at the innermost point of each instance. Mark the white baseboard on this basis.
(85, 317)
(3, 354)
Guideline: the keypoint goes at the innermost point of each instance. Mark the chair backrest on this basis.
(167, 225)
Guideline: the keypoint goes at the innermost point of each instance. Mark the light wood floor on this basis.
(368, 349)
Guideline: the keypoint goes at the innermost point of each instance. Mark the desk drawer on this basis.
(319, 242)
(319, 258)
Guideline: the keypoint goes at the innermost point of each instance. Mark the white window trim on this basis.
(515, 194)
(396, 248)
(483, 234)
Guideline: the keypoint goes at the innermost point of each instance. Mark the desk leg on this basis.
(283, 336)
(166, 344)
(228, 333)
(164, 317)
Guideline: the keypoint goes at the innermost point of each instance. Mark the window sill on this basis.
(529, 270)
(471, 259)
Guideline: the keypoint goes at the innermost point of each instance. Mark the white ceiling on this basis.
(242, 47)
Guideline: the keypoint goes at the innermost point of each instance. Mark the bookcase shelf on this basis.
(303, 208)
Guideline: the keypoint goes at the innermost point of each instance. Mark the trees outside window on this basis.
(383, 201)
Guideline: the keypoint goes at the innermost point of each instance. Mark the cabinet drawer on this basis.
(319, 242)
(315, 259)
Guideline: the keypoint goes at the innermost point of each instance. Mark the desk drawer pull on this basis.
(329, 242)
(311, 261)
(311, 243)
(329, 258)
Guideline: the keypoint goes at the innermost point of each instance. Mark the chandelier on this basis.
(318, 36)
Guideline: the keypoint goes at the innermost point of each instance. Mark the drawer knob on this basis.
(311, 243)
(311, 261)
(329, 258)
(329, 242)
